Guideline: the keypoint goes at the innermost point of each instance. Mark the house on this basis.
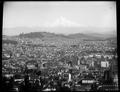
(90, 55)
(98, 56)
(32, 64)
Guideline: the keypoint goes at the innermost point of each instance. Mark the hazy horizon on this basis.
(55, 15)
(67, 31)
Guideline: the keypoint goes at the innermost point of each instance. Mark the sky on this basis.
(101, 14)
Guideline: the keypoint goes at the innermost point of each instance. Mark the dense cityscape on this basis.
(59, 46)
(34, 65)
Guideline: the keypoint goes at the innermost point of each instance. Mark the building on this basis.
(105, 64)
(32, 64)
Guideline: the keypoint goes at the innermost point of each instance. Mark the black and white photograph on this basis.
(59, 46)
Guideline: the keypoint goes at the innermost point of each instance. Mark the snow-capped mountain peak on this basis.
(63, 22)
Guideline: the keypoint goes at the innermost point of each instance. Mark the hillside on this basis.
(55, 33)
(47, 35)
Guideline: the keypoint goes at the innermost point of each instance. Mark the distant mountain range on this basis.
(81, 33)
(47, 35)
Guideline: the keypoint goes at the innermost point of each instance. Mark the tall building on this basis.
(104, 64)
(107, 77)
(70, 78)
